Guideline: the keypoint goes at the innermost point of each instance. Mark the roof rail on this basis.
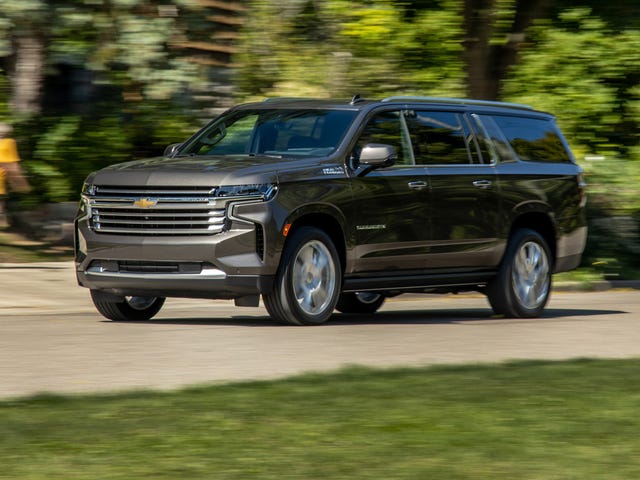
(457, 101)
(283, 99)
(355, 99)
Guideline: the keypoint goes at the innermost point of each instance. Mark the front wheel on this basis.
(360, 302)
(308, 281)
(123, 309)
(523, 284)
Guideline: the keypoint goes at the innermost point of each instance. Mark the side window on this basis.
(485, 148)
(533, 139)
(439, 138)
(387, 128)
(495, 140)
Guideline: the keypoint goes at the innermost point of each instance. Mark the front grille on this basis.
(156, 211)
(142, 267)
(159, 267)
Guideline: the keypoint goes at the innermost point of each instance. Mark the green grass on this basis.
(586, 278)
(526, 420)
(15, 248)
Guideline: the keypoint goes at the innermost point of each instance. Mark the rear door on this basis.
(465, 213)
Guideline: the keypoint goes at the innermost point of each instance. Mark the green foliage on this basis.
(135, 94)
(613, 247)
(68, 148)
(127, 43)
(431, 51)
(588, 73)
(4, 97)
(338, 48)
(580, 62)
(584, 73)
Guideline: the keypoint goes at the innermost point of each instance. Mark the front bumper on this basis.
(211, 283)
(222, 266)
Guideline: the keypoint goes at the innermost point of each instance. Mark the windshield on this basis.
(278, 132)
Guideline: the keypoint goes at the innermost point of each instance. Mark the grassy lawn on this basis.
(15, 248)
(526, 420)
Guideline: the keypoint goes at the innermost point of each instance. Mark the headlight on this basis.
(88, 188)
(264, 191)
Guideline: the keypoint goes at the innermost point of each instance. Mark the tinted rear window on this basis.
(533, 139)
(438, 138)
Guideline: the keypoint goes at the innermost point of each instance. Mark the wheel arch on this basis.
(543, 224)
(326, 222)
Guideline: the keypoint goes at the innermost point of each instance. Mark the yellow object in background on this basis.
(8, 151)
(8, 154)
(10, 170)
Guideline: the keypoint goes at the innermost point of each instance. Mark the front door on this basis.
(391, 205)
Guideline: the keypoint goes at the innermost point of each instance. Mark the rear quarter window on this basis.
(533, 139)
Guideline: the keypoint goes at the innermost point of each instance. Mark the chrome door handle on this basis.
(418, 185)
(483, 184)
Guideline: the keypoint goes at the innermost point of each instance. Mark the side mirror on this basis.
(378, 155)
(172, 149)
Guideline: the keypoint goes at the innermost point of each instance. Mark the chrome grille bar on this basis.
(129, 203)
(154, 191)
(156, 211)
(163, 214)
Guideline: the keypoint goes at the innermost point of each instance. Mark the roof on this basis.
(358, 103)
(457, 101)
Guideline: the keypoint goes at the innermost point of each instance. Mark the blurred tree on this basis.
(27, 21)
(94, 82)
(340, 47)
(494, 31)
(458, 47)
(143, 72)
(585, 72)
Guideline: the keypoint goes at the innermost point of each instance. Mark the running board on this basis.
(416, 282)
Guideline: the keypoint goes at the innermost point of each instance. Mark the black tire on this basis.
(126, 309)
(523, 284)
(360, 302)
(308, 281)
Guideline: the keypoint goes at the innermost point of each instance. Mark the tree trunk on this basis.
(27, 74)
(488, 62)
(478, 27)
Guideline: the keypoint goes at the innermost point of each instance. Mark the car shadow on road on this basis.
(463, 315)
(405, 317)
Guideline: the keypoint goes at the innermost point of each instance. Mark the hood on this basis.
(194, 171)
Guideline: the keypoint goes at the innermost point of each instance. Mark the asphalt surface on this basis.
(53, 340)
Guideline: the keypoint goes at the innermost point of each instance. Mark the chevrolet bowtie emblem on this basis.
(145, 203)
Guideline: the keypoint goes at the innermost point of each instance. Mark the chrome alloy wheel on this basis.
(313, 277)
(367, 297)
(140, 303)
(530, 275)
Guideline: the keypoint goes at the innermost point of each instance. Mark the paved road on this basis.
(52, 340)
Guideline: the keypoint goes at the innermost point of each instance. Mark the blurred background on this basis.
(88, 83)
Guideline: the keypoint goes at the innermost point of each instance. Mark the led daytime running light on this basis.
(265, 191)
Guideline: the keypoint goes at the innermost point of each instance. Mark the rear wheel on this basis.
(308, 281)
(523, 283)
(126, 308)
(360, 302)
